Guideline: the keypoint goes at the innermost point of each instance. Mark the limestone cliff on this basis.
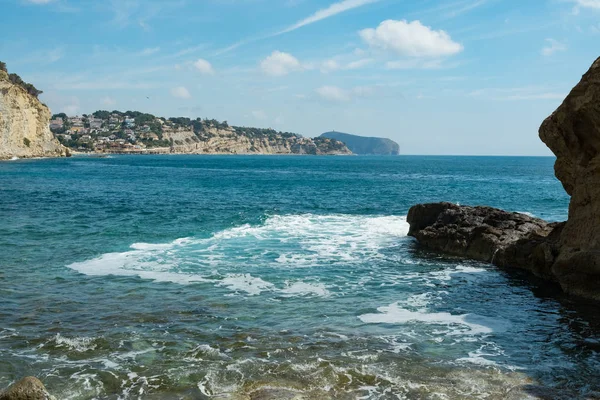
(233, 140)
(24, 130)
(572, 132)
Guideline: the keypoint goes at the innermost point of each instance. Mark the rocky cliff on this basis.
(365, 145)
(572, 132)
(24, 130)
(234, 140)
(568, 253)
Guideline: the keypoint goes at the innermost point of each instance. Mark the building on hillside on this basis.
(95, 123)
(57, 123)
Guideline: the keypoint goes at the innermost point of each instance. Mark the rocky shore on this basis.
(567, 253)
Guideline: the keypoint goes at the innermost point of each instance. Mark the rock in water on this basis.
(24, 129)
(486, 234)
(28, 388)
(572, 132)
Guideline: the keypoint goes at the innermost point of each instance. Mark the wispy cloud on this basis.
(331, 11)
(590, 4)
(149, 51)
(552, 47)
(518, 93)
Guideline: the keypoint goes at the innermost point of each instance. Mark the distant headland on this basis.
(365, 145)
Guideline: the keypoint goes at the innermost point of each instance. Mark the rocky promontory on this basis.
(567, 253)
(364, 145)
(24, 130)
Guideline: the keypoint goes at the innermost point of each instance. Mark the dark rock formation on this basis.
(28, 388)
(572, 132)
(568, 253)
(365, 145)
(486, 234)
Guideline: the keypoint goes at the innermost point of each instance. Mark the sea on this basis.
(276, 277)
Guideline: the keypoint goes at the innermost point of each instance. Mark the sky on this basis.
(455, 77)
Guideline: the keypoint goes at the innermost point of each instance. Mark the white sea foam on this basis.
(471, 324)
(304, 288)
(246, 283)
(231, 258)
(79, 344)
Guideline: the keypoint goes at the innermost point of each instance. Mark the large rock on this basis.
(24, 129)
(572, 132)
(28, 388)
(486, 234)
(568, 253)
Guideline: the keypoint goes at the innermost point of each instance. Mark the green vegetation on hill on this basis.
(133, 130)
(16, 79)
(365, 145)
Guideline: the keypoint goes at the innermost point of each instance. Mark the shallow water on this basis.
(274, 277)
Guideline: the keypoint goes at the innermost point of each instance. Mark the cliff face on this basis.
(365, 145)
(233, 141)
(572, 132)
(24, 130)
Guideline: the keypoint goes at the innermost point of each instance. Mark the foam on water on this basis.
(225, 258)
(470, 324)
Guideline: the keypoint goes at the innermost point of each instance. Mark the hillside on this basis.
(365, 145)
(24, 120)
(136, 132)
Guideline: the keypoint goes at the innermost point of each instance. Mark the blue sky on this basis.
(439, 77)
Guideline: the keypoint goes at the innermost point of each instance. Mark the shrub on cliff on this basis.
(16, 80)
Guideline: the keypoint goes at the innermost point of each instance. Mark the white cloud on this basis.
(280, 64)
(332, 10)
(329, 66)
(180, 92)
(414, 63)
(39, 1)
(518, 93)
(204, 67)
(359, 63)
(259, 115)
(333, 93)
(108, 101)
(552, 47)
(411, 39)
(595, 4)
(337, 94)
(149, 51)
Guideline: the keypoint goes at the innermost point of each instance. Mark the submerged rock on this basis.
(28, 388)
(568, 253)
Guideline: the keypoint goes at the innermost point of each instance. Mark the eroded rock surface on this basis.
(487, 234)
(24, 129)
(28, 388)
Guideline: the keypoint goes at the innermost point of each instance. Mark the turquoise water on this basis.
(216, 277)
